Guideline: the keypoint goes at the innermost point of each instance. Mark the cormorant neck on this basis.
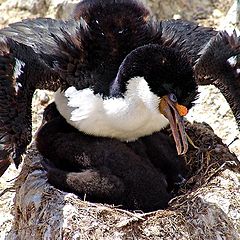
(128, 118)
(146, 61)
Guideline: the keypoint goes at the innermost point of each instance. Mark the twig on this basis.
(10, 189)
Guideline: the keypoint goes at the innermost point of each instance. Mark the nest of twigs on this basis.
(207, 207)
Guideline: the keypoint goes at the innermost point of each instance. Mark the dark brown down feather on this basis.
(140, 175)
(87, 52)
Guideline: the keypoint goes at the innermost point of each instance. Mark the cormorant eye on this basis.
(172, 97)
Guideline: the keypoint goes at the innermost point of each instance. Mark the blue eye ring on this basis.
(172, 97)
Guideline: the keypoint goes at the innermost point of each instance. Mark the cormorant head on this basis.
(50, 113)
(169, 76)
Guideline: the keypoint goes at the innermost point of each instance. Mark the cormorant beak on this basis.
(174, 113)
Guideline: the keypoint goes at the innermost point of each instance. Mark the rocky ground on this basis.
(211, 106)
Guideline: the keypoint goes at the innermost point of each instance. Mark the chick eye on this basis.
(172, 97)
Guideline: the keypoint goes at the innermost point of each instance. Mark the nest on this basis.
(207, 206)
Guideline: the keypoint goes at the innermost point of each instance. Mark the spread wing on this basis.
(55, 45)
(219, 65)
(209, 52)
(188, 37)
(41, 53)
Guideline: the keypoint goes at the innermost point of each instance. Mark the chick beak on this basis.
(174, 113)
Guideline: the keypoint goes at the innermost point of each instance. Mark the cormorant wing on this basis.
(188, 37)
(218, 65)
(208, 51)
(32, 55)
(55, 42)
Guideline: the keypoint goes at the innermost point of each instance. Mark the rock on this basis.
(167, 8)
(33, 6)
(212, 108)
(43, 98)
(62, 9)
(12, 11)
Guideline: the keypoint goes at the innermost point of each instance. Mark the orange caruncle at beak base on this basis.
(182, 110)
(174, 113)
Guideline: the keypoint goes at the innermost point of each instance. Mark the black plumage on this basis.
(83, 52)
(214, 68)
(138, 175)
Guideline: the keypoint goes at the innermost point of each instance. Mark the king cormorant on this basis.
(112, 62)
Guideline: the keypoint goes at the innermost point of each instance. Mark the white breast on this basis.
(128, 118)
